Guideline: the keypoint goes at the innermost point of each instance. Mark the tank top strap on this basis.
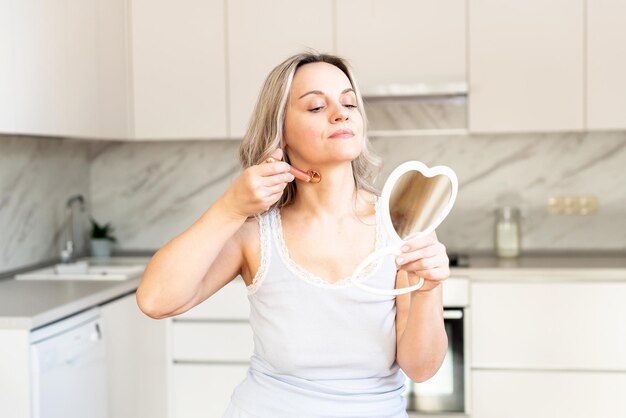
(265, 236)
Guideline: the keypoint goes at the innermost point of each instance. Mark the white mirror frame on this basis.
(397, 241)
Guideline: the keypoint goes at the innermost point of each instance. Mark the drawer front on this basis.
(523, 394)
(212, 341)
(204, 390)
(230, 302)
(566, 325)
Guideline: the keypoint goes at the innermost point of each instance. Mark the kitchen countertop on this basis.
(542, 266)
(29, 304)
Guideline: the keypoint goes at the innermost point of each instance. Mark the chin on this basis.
(350, 154)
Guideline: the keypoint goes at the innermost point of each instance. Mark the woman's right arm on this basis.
(209, 254)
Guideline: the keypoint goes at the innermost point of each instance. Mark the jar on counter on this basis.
(508, 236)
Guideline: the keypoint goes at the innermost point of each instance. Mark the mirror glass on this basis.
(417, 202)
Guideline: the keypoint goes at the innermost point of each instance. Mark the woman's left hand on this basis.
(424, 257)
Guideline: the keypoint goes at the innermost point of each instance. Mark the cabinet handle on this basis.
(452, 314)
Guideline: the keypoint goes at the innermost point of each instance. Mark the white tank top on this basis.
(320, 349)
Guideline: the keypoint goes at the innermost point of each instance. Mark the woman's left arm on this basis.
(422, 342)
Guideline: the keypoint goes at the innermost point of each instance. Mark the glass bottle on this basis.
(508, 232)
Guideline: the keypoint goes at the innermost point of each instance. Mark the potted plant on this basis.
(102, 239)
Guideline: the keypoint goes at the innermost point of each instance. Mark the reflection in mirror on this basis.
(416, 201)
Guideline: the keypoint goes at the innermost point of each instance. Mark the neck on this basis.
(333, 196)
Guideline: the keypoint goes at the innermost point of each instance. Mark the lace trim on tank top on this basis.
(258, 278)
(310, 277)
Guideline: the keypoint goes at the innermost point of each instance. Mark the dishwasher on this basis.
(68, 368)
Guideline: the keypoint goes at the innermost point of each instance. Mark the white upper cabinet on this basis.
(7, 68)
(400, 43)
(261, 34)
(179, 69)
(81, 63)
(40, 67)
(113, 85)
(606, 64)
(115, 69)
(193, 69)
(526, 65)
(55, 67)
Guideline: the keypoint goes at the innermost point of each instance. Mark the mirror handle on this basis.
(395, 251)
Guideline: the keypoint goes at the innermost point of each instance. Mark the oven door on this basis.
(445, 391)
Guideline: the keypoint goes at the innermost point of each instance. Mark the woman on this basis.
(323, 347)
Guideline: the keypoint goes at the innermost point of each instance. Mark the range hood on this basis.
(420, 109)
(415, 90)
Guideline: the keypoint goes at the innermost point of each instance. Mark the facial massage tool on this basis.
(310, 176)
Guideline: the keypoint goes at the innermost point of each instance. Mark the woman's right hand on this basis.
(258, 187)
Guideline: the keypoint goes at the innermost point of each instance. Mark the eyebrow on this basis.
(319, 92)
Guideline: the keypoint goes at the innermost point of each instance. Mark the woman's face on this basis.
(322, 122)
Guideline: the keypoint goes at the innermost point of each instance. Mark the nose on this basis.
(340, 114)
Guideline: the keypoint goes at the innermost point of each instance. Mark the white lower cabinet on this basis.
(212, 341)
(548, 394)
(547, 348)
(204, 390)
(549, 325)
(136, 361)
(211, 346)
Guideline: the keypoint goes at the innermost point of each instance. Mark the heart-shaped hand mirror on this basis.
(414, 201)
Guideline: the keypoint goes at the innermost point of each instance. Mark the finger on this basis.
(282, 178)
(269, 169)
(418, 242)
(273, 198)
(425, 252)
(428, 284)
(435, 250)
(435, 274)
(277, 154)
(277, 188)
(424, 263)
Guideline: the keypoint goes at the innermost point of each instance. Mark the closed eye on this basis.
(316, 109)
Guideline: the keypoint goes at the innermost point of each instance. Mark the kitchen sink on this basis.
(85, 270)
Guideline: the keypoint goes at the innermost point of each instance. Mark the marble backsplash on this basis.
(37, 176)
(152, 191)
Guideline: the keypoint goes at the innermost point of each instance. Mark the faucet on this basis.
(67, 253)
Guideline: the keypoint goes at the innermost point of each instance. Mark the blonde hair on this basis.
(265, 131)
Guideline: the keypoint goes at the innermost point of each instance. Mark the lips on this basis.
(342, 133)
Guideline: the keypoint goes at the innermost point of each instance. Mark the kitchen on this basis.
(140, 106)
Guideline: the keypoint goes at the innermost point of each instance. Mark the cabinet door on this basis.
(526, 65)
(113, 62)
(56, 67)
(81, 68)
(263, 33)
(402, 41)
(549, 325)
(40, 65)
(606, 64)
(204, 390)
(8, 86)
(523, 394)
(178, 69)
(212, 341)
(136, 360)
(229, 303)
